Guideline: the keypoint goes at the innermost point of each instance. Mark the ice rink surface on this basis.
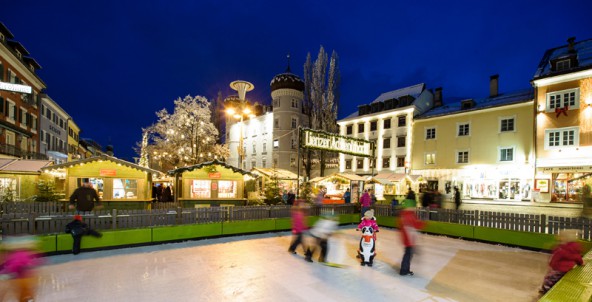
(259, 268)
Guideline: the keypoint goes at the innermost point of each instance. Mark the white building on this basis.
(54, 130)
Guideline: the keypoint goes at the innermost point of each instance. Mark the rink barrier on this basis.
(576, 285)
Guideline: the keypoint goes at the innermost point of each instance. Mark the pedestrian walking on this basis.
(457, 200)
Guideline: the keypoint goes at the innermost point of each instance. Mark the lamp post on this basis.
(241, 112)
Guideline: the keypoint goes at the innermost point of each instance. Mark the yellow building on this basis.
(563, 97)
(484, 147)
(73, 137)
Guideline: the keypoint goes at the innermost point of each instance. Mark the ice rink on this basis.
(259, 268)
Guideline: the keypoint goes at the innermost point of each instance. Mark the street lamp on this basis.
(241, 111)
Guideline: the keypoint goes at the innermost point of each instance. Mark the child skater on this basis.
(565, 256)
(368, 220)
(77, 229)
(367, 247)
(19, 264)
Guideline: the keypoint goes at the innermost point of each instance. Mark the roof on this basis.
(348, 176)
(23, 165)
(489, 102)
(101, 158)
(583, 49)
(387, 178)
(209, 163)
(280, 173)
(414, 91)
(6, 31)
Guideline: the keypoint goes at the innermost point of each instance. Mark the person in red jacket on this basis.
(408, 225)
(565, 256)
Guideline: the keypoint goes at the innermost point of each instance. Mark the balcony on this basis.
(18, 152)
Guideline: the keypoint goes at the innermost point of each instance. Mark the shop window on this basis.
(430, 133)
(348, 163)
(8, 188)
(507, 125)
(402, 121)
(430, 158)
(373, 125)
(386, 143)
(462, 157)
(565, 99)
(227, 189)
(387, 124)
(349, 129)
(360, 164)
(506, 154)
(463, 130)
(125, 188)
(400, 161)
(563, 137)
(401, 141)
(386, 162)
(360, 128)
(201, 189)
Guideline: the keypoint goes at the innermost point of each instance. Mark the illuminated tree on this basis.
(183, 138)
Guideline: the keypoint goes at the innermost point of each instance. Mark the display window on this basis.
(227, 189)
(569, 187)
(125, 188)
(201, 189)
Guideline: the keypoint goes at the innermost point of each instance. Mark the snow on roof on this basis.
(583, 50)
(24, 165)
(413, 91)
(489, 102)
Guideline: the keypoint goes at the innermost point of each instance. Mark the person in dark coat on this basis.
(167, 194)
(77, 229)
(457, 200)
(154, 189)
(291, 197)
(84, 198)
(347, 196)
(410, 194)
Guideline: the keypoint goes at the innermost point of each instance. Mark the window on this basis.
(276, 123)
(293, 143)
(11, 77)
(1, 103)
(275, 162)
(386, 162)
(507, 124)
(33, 123)
(276, 143)
(48, 113)
(125, 188)
(568, 99)
(387, 124)
(372, 163)
(557, 138)
(294, 103)
(10, 138)
(1, 66)
(253, 163)
(506, 154)
(360, 164)
(400, 161)
(292, 161)
(254, 148)
(400, 141)
(200, 189)
(386, 143)
(402, 121)
(276, 103)
(263, 163)
(349, 129)
(462, 157)
(294, 123)
(47, 139)
(348, 163)
(431, 133)
(23, 117)
(430, 158)
(11, 111)
(562, 65)
(227, 189)
(463, 129)
(373, 125)
(264, 148)
(360, 128)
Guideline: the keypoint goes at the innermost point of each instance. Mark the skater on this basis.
(409, 224)
(84, 198)
(320, 233)
(77, 229)
(565, 256)
(20, 261)
(367, 248)
(365, 202)
(457, 200)
(298, 226)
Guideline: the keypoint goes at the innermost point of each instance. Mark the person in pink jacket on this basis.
(19, 264)
(565, 256)
(365, 202)
(298, 212)
(408, 225)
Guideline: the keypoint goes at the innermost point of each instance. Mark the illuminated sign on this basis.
(16, 87)
(214, 175)
(336, 143)
(107, 172)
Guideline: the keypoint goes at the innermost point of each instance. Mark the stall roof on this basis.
(280, 173)
(390, 176)
(23, 165)
(209, 163)
(101, 158)
(348, 176)
(382, 181)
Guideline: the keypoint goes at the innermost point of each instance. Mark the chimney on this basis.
(570, 45)
(438, 97)
(493, 85)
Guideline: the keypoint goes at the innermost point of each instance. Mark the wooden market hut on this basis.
(388, 185)
(117, 181)
(286, 180)
(210, 183)
(337, 183)
(19, 178)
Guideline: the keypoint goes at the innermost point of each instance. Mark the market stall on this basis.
(212, 183)
(336, 184)
(388, 185)
(286, 180)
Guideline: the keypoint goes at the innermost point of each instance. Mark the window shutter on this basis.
(1, 104)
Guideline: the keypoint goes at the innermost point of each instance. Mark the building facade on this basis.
(563, 98)
(387, 121)
(20, 88)
(483, 147)
(75, 151)
(53, 124)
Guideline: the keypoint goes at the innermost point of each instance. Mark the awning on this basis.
(24, 165)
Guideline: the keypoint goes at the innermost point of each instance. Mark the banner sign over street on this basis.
(313, 139)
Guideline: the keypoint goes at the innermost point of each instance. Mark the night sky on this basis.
(112, 64)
